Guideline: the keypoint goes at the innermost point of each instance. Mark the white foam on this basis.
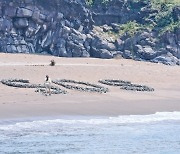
(124, 119)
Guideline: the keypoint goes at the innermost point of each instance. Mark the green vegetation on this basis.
(92, 2)
(164, 19)
(130, 28)
(158, 4)
(170, 28)
(89, 2)
(161, 21)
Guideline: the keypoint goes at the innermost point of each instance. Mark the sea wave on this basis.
(123, 119)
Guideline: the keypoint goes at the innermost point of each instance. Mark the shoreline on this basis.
(22, 103)
(92, 119)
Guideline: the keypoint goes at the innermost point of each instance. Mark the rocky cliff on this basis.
(135, 29)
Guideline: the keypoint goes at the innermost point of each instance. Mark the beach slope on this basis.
(23, 103)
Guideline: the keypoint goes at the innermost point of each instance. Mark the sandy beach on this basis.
(24, 103)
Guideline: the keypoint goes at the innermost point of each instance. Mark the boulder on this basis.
(145, 52)
(119, 44)
(36, 16)
(62, 52)
(65, 32)
(176, 13)
(23, 49)
(47, 40)
(85, 53)
(76, 49)
(127, 54)
(100, 43)
(167, 59)
(24, 12)
(5, 25)
(60, 16)
(105, 54)
(174, 50)
(11, 49)
(21, 23)
(95, 52)
(106, 28)
(77, 37)
(10, 11)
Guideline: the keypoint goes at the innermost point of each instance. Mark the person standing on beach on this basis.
(48, 85)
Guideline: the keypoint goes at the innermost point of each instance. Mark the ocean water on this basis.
(134, 134)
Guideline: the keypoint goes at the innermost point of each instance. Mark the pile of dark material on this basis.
(88, 86)
(75, 85)
(21, 83)
(126, 85)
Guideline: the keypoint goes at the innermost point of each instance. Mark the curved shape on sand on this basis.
(126, 85)
(21, 83)
(88, 86)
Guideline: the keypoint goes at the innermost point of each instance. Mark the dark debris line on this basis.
(21, 83)
(91, 87)
(126, 85)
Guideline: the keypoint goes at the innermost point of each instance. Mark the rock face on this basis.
(71, 28)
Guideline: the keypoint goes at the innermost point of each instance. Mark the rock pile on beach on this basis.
(21, 83)
(126, 85)
(74, 28)
(69, 84)
(74, 85)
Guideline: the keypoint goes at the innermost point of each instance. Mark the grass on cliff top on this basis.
(162, 22)
(155, 3)
(158, 3)
(131, 28)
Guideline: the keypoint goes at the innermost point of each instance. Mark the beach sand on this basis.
(24, 103)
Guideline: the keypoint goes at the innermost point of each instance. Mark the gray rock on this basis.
(36, 16)
(106, 28)
(119, 44)
(62, 52)
(65, 32)
(11, 49)
(10, 11)
(61, 43)
(115, 27)
(176, 13)
(85, 53)
(76, 49)
(60, 16)
(145, 52)
(28, 1)
(105, 54)
(100, 43)
(21, 23)
(77, 37)
(42, 16)
(95, 52)
(23, 49)
(5, 25)
(167, 59)
(47, 40)
(30, 32)
(24, 12)
(127, 54)
(174, 50)
(128, 44)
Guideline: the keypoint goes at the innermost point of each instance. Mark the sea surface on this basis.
(133, 134)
